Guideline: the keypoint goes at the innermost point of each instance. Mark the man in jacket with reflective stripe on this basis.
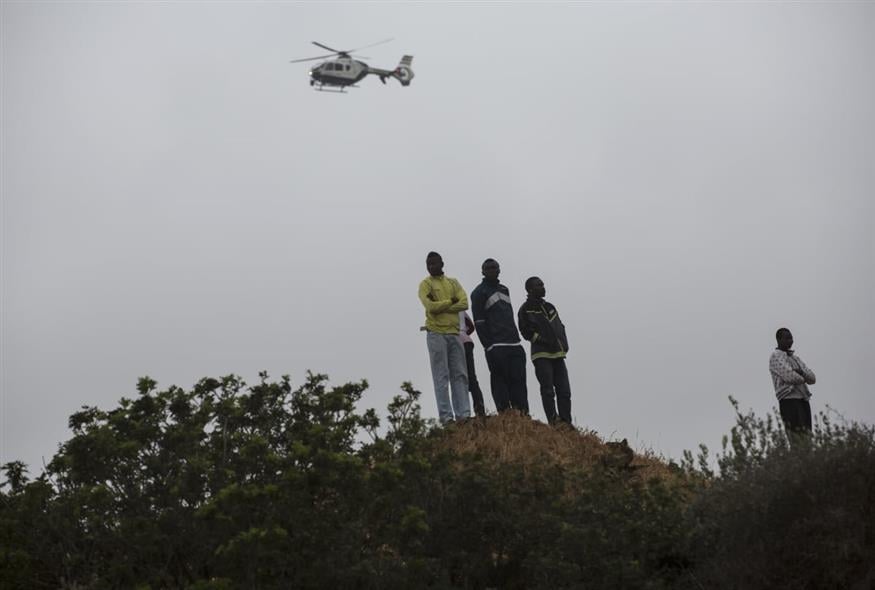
(496, 328)
(443, 298)
(540, 324)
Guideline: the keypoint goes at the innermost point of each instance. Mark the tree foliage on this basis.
(781, 516)
(267, 486)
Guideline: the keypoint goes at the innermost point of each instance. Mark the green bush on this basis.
(788, 517)
(231, 486)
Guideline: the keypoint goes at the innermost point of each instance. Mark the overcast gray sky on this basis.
(686, 178)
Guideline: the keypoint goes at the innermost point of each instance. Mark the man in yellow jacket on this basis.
(443, 299)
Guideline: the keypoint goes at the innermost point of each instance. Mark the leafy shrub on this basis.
(266, 486)
(788, 517)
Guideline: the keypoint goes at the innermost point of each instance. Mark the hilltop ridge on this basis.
(511, 438)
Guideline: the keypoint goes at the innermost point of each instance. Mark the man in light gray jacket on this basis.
(791, 378)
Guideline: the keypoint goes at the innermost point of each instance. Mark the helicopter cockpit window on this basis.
(330, 67)
(347, 67)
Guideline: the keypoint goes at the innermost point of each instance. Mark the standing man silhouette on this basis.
(540, 324)
(466, 328)
(443, 298)
(791, 378)
(496, 328)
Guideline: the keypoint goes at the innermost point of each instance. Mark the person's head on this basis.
(490, 269)
(535, 287)
(784, 338)
(435, 264)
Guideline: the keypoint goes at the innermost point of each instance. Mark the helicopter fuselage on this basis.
(343, 71)
(339, 72)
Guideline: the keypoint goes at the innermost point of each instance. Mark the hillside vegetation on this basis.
(267, 486)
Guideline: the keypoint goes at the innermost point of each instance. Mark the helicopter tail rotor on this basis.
(404, 73)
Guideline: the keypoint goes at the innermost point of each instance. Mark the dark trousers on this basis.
(796, 415)
(473, 386)
(552, 375)
(507, 376)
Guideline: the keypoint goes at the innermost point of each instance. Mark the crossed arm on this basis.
(782, 367)
(456, 303)
(805, 372)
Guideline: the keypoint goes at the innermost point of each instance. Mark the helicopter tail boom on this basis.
(403, 72)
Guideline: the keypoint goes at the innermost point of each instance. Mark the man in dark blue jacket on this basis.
(540, 325)
(496, 328)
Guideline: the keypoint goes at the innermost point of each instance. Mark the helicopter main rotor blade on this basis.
(372, 45)
(326, 47)
(348, 51)
(294, 61)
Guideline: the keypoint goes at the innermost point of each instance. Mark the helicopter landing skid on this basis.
(336, 90)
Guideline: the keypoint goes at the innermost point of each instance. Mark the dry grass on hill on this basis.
(512, 438)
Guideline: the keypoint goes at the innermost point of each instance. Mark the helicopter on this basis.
(335, 75)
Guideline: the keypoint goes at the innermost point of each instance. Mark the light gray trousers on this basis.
(449, 370)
